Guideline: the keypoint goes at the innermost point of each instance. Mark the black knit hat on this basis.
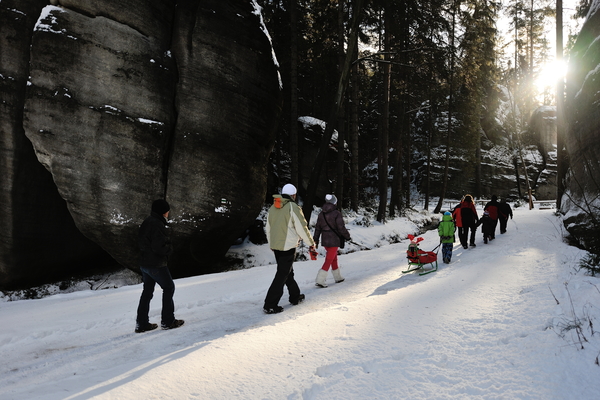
(160, 206)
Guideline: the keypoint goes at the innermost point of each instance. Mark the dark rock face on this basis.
(312, 133)
(38, 238)
(227, 105)
(99, 114)
(581, 204)
(502, 171)
(129, 101)
(542, 153)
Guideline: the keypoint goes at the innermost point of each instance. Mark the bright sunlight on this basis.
(549, 75)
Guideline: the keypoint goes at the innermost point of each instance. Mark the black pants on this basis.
(151, 277)
(494, 229)
(463, 234)
(283, 276)
(503, 222)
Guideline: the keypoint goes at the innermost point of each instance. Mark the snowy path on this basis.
(481, 327)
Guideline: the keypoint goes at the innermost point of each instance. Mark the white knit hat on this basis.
(289, 189)
(330, 198)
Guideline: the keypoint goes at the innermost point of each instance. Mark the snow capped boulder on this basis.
(99, 112)
(581, 202)
(131, 101)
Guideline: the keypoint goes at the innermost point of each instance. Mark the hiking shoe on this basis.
(273, 310)
(175, 324)
(321, 285)
(299, 300)
(446, 261)
(145, 328)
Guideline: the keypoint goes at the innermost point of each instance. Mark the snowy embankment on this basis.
(495, 323)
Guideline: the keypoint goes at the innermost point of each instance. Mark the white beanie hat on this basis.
(289, 189)
(330, 198)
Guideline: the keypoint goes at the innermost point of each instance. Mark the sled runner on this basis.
(418, 259)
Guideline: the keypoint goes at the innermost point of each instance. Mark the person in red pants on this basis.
(332, 231)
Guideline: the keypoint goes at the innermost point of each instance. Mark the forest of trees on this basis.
(396, 76)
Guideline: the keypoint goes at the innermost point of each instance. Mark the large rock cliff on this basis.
(504, 159)
(126, 101)
(581, 202)
(38, 237)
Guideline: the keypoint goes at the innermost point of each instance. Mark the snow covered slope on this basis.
(492, 324)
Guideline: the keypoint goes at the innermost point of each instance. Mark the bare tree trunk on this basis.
(354, 170)
(438, 207)
(333, 116)
(529, 194)
(429, 137)
(384, 125)
(396, 198)
(341, 128)
(408, 159)
(294, 156)
(478, 168)
(561, 156)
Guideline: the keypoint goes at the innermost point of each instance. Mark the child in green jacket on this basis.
(446, 230)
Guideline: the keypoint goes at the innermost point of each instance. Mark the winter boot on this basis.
(337, 275)
(175, 324)
(321, 276)
(298, 300)
(145, 328)
(272, 310)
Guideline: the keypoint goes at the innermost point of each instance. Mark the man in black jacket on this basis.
(155, 248)
(505, 212)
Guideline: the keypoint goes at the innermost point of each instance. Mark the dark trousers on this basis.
(463, 234)
(447, 251)
(283, 276)
(493, 233)
(503, 222)
(151, 277)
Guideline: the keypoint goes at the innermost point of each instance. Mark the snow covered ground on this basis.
(497, 323)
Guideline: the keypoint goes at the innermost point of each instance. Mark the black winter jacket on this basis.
(155, 246)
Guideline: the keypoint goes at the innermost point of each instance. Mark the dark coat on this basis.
(323, 231)
(465, 215)
(492, 207)
(155, 246)
(488, 226)
(505, 210)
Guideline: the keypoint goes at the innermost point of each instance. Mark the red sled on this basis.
(418, 259)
